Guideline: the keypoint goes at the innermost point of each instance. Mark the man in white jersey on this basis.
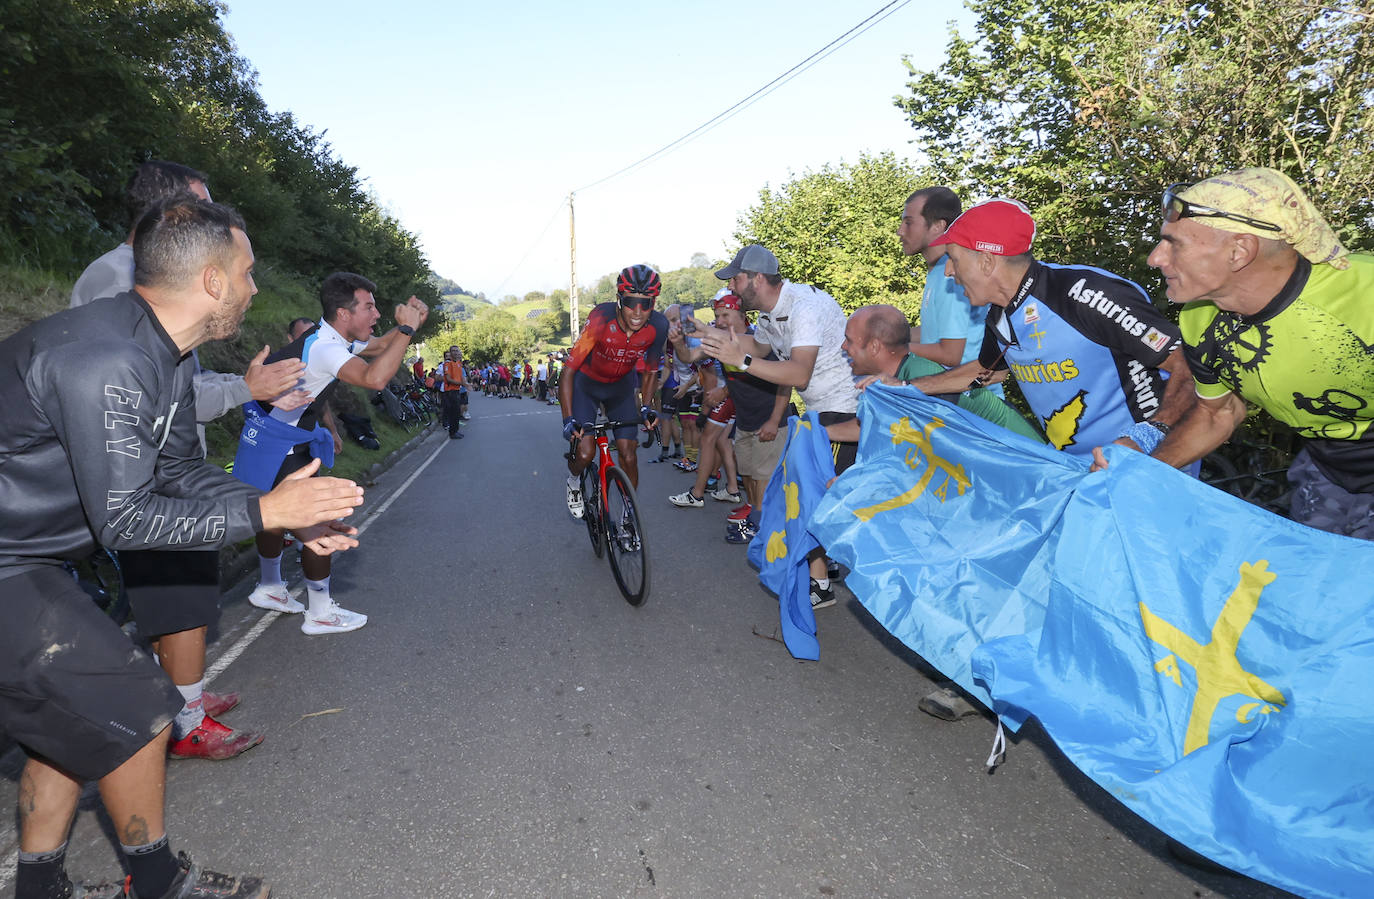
(276, 442)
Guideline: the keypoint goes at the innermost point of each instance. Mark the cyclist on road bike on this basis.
(600, 373)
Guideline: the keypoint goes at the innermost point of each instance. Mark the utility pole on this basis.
(572, 294)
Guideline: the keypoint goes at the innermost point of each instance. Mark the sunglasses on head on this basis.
(1175, 208)
(637, 302)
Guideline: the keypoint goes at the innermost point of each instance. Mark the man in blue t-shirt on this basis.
(951, 328)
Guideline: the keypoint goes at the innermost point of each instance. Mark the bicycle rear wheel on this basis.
(591, 507)
(625, 535)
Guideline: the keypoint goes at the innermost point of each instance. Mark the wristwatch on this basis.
(748, 359)
(407, 330)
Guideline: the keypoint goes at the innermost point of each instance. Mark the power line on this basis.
(721, 117)
(531, 249)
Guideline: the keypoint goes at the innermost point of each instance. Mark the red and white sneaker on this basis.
(216, 704)
(334, 620)
(739, 513)
(212, 740)
(275, 598)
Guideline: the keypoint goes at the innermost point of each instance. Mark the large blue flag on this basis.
(946, 525)
(779, 550)
(1209, 664)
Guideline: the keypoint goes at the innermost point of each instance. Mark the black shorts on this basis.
(171, 591)
(617, 398)
(667, 400)
(298, 458)
(73, 689)
(843, 453)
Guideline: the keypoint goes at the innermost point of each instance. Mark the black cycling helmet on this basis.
(638, 279)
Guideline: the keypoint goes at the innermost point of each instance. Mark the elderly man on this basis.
(1094, 359)
(101, 447)
(1279, 314)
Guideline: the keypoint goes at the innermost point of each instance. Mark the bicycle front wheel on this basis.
(625, 537)
(591, 507)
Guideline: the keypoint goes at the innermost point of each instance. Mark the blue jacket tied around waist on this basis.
(265, 442)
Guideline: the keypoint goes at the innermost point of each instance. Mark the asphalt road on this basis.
(506, 726)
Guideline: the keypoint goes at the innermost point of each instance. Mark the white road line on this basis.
(402, 489)
(233, 652)
(10, 862)
(256, 631)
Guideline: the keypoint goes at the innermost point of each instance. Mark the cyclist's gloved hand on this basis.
(649, 416)
(569, 426)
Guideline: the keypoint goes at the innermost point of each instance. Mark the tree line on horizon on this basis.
(1082, 109)
(1085, 110)
(96, 87)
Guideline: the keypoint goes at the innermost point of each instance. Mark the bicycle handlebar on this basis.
(608, 425)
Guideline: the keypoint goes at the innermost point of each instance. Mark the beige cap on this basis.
(1269, 196)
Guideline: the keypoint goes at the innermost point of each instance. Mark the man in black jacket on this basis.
(100, 446)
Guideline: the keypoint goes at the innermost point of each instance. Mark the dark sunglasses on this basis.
(637, 302)
(1175, 208)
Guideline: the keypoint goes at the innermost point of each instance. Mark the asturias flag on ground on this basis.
(779, 550)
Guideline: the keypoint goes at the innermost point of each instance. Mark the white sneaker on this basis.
(274, 597)
(685, 500)
(720, 494)
(334, 620)
(575, 496)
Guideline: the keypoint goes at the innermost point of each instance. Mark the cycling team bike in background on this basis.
(611, 513)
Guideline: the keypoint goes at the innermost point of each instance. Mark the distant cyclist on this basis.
(600, 373)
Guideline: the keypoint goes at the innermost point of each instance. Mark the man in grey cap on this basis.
(804, 328)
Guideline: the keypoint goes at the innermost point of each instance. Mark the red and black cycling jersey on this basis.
(604, 352)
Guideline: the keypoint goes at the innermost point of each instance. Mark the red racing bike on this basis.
(611, 513)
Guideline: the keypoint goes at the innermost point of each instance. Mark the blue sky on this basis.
(472, 122)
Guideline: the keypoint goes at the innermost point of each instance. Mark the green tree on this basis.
(1086, 109)
(689, 285)
(109, 84)
(836, 228)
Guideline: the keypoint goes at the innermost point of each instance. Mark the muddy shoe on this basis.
(946, 704)
(195, 882)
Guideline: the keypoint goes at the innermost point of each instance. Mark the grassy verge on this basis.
(29, 294)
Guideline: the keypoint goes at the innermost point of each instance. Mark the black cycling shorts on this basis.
(618, 398)
(171, 591)
(298, 458)
(73, 689)
(667, 400)
(843, 453)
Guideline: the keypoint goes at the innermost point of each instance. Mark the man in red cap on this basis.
(1094, 359)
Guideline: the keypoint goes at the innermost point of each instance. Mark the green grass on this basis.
(28, 295)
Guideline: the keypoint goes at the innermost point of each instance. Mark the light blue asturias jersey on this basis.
(1085, 346)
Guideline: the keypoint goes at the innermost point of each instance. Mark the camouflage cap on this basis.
(1269, 196)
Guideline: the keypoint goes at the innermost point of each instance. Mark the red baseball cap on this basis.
(727, 301)
(1002, 227)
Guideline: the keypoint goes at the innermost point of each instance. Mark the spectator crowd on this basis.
(108, 401)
